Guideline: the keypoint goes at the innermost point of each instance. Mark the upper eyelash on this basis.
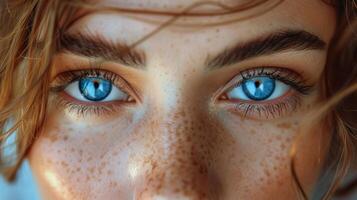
(284, 75)
(65, 78)
(270, 110)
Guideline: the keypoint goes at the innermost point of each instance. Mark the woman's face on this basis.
(193, 112)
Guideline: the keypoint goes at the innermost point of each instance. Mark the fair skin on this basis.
(179, 136)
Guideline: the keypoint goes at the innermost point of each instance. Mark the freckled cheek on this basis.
(63, 157)
(259, 160)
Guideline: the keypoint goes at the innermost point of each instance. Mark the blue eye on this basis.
(258, 89)
(95, 89)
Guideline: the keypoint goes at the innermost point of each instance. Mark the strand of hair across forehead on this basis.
(187, 12)
(226, 10)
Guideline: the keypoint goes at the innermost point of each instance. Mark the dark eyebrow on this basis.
(276, 42)
(95, 46)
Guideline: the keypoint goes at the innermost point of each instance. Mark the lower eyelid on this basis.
(79, 108)
(264, 110)
(290, 92)
(67, 97)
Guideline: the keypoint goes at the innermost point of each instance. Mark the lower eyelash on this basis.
(268, 110)
(83, 110)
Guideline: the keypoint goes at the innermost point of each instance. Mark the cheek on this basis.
(235, 158)
(259, 159)
(261, 156)
(81, 162)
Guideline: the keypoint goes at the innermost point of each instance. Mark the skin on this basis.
(176, 141)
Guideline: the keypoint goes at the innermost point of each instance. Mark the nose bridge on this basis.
(183, 133)
(181, 158)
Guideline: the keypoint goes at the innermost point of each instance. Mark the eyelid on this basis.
(284, 75)
(269, 110)
(266, 109)
(62, 80)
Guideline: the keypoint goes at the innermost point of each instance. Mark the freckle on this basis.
(103, 164)
(284, 125)
(65, 138)
(53, 137)
(278, 158)
(91, 170)
(262, 164)
(282, 146)
(267, 172)
(64, 164)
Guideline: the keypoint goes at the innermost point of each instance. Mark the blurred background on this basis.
(24, 188)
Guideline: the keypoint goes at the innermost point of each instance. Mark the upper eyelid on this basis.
(237, 79)
(262, 71)
(57, 84)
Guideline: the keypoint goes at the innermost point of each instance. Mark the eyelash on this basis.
(284, 75)
(81, 108)
(267, 109)
(271, 108)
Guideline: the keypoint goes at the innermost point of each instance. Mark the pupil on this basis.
(257, 84)
(96, 84)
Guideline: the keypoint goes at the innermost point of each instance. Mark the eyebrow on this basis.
(96, 46)
(281, 41)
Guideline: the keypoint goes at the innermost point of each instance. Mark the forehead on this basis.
(312, 15)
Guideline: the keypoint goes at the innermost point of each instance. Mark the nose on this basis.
(180, 165)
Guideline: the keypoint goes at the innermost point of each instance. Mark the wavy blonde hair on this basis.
(29, 33)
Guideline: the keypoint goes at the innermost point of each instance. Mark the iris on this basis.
(95, 89)
(259, 88)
